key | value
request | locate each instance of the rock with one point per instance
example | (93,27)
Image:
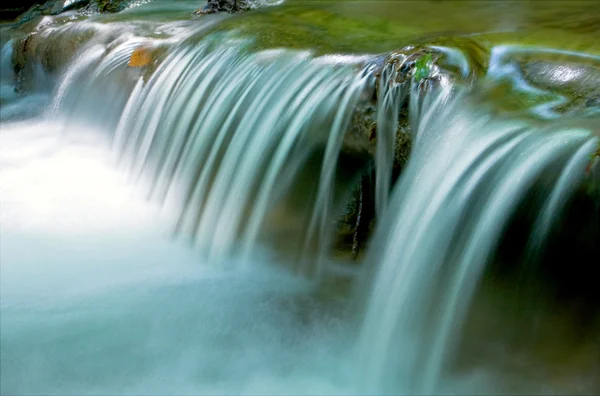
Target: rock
(19,61)
(454,61)
(36,8)
(50,51)
(107,6)
(357,223)
(11,9)
(576,81)
(229,6)
(49,7)
(422,65)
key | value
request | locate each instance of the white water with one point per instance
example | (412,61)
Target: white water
(391,96)
(218,135)
(96,297)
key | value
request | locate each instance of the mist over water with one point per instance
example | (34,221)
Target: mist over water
(96,297)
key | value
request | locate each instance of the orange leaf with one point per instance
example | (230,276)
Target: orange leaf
(140,57)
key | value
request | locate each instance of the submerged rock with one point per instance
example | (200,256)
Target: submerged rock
(545,82)
(578,84)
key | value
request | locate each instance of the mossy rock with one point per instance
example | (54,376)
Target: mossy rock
(110,6)
(53,51)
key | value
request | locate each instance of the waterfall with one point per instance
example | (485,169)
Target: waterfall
(391,95)
(6,68)
(228,140)
(7,91)
(468,171)
(218,134)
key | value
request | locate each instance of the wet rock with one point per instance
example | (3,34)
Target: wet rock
(50,7)
(19,61)
(403,145)
(361,138)
(356,140)
(547,83)
(229,6)
(592,182)
(54,7)
(578,84)
(415,62)
(46,50)
(454,61)
(11,9)
(110,6)
(425,67)
(356,225)
(576,80)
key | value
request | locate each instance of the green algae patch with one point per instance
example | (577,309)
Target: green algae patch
(322,30)
(382,26)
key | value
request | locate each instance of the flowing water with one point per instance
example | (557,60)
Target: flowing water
(431,253)
(167,227)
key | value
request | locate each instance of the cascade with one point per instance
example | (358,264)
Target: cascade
(468,171)
(218,134)
(234,143)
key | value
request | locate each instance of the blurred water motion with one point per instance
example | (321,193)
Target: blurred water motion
(170,190)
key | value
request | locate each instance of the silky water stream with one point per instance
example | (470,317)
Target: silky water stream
(236,153)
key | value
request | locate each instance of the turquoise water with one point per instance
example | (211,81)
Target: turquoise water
(163,230)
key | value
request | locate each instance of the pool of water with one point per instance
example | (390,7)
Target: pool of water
(97,298)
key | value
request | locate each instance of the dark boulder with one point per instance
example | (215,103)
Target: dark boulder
(229,6)
(107,6)
(10,9)
(24,11)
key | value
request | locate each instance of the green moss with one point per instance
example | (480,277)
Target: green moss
(375,27)
(321,30)
(423,67)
